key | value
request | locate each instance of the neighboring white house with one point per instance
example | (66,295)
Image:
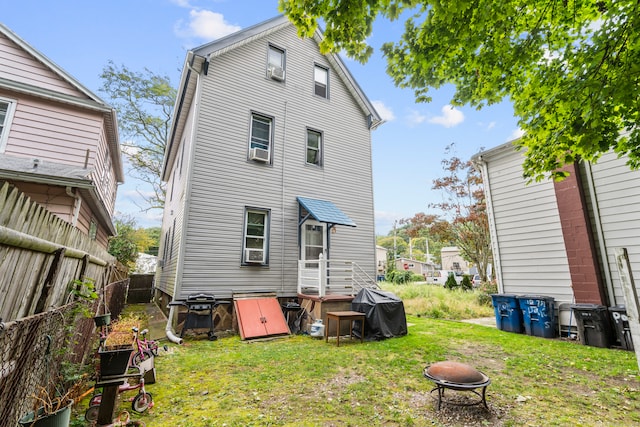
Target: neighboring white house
(451,260)
(268,168)
(381,260)
(560,239)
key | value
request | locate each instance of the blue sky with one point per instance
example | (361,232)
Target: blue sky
(82,36)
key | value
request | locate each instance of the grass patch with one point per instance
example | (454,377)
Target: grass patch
(302,381)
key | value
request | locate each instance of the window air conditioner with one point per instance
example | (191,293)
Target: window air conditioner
(259,154)
(276,73)
(254,256)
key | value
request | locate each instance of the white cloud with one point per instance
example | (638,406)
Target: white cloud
(205,24)
(181,3)
(491,125)
(517,133)
(415,117)
(450,117)
(385,112)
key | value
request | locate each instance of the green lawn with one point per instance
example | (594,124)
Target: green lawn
(303,381)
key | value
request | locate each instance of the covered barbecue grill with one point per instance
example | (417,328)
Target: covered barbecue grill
(200,313)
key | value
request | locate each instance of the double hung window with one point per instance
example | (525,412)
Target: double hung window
(261,138)
(256,233)
(321,81)
(6,115)
(314,147)
(276,63)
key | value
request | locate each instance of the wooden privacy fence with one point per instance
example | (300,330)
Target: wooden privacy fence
(41,256)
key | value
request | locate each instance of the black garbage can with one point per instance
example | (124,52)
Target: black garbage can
(538,315)
(594,328)
(620,323)
(508,314)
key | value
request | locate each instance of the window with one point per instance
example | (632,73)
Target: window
(6,115)
(256,232)
(93,230)
(314,147)
(275,63)
(321,78)
(260,141)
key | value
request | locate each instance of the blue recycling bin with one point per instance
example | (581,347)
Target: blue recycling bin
(538,315)
(508,314)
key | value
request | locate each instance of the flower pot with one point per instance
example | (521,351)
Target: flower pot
(102,320)
(59,418)
(114,362)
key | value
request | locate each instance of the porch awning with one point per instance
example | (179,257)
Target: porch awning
(325,211)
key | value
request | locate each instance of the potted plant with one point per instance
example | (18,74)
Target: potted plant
(50,410)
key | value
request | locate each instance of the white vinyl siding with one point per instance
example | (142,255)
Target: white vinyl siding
(527,236)
(618,197)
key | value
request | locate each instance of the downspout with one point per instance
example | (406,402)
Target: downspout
(600,234)
(169,327)
(76,205)
(282,227)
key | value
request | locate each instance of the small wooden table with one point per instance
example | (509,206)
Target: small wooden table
(344,315)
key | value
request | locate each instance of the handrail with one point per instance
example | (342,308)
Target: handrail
(337,275)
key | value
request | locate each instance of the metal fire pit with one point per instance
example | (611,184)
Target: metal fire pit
(459,377)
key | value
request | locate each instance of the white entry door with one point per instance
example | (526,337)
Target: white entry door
(314,242)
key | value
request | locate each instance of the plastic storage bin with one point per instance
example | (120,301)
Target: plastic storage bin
(594,328)
(538,315)
(508,314)
(620,323)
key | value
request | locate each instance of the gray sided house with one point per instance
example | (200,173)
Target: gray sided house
(268,171)
(561,239)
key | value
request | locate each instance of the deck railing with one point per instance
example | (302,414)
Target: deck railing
(332,276)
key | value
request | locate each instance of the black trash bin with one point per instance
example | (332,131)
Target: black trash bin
(594,328)
(620,323)
(538,315)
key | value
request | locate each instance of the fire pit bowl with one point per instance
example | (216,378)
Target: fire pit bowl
(460,377)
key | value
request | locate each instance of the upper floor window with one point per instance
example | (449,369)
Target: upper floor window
(93,230)
(321,81)
(261,137)
(276,63)
(314,147)
(6,116)
(256,236)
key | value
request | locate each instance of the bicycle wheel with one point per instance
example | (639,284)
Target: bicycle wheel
(141,356)
(92,413)
(142,402)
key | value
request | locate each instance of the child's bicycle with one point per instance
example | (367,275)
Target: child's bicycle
(144,349)
(139,403)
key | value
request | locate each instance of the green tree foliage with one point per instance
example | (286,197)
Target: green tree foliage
(466,284)
(465,204)
(571,68)
(129,241)
(144,102)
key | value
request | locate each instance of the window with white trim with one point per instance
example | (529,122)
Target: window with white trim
(276,64)
(7,108)
(261,137)
(314,147)
(256,236)
(321,81)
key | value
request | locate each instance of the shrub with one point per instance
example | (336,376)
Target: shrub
(466,283)
(415,277)
(451,282)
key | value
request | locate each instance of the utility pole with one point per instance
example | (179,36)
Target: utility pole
(395,246)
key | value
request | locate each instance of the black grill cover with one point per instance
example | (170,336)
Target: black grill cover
(384,314)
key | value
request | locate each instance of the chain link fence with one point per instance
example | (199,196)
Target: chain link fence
(48,351)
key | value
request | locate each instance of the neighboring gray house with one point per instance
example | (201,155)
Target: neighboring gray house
(268,168)
(560,239)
